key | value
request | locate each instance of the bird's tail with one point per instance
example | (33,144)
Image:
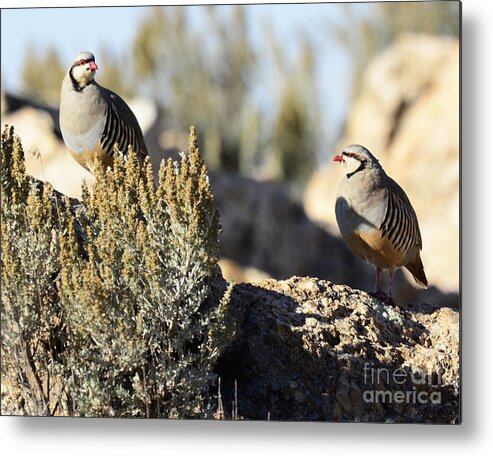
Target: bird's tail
(416,268)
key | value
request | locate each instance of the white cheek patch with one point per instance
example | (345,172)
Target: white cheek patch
(83,74)
(351,163)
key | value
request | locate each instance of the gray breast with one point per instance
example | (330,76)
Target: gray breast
(82,117)
(360,204)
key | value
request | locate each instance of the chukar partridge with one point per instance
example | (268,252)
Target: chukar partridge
(94,120)
(376,218)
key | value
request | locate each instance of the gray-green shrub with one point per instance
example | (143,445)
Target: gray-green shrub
(123,287)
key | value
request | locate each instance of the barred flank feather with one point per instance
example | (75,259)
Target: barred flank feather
(121,128)
(400,225)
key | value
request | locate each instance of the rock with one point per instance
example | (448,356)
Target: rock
(308,349)
(407,113)
(234,272)
(438,351)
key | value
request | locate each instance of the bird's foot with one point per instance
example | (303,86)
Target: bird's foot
(389,300)
(379,294)
(385,298)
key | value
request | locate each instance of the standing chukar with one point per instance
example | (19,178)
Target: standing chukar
(376,218)
(94,119)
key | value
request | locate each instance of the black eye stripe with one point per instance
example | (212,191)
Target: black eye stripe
(361,158)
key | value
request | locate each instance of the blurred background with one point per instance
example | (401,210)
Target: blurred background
(274,92)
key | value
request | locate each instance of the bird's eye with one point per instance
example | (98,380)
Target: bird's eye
(82,61)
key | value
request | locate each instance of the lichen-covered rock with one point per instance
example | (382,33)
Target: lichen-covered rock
(308,349)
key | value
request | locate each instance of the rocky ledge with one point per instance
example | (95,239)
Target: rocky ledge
(308,349)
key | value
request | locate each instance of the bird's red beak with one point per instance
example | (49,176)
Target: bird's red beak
(339,158)
(93,66)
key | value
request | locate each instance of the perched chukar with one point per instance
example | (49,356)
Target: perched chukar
(376,218)
(94,119)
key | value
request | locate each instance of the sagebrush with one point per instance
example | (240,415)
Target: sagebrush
(111,306)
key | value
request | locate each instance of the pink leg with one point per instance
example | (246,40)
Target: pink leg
(389,299)
(391,282)
(378,293)
(378,273)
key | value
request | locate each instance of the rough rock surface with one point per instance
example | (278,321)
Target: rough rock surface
(407,114)
(308,349)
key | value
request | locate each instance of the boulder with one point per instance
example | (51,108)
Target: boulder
(235,272)
(308,349)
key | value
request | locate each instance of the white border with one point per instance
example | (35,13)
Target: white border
(105,436)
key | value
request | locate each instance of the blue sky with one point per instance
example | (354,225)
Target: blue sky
(70,30)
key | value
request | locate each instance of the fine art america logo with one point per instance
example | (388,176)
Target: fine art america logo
(418,392)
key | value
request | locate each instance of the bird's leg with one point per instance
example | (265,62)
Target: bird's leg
(389,299)
(377,292)
(378,272)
